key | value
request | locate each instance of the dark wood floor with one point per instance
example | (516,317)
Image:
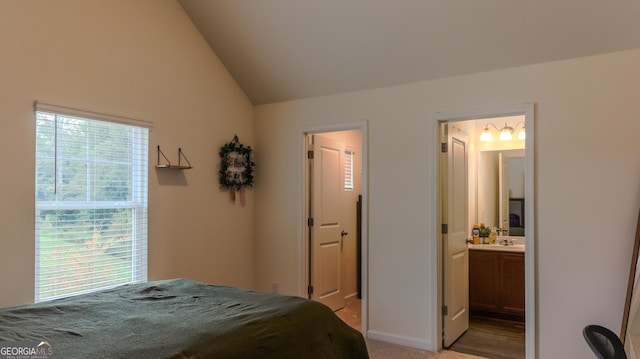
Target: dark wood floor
(492,338)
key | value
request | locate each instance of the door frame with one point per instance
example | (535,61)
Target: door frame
(303,210)
(528,110)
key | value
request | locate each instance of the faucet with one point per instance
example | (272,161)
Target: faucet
(505,228)
(506,242)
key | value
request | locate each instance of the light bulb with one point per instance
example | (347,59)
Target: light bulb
(522,135)
(505,135)
(486,135)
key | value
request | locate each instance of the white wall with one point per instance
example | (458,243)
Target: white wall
(142,59)
(587,190)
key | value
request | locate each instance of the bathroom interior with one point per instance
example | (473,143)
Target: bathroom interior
(496,200)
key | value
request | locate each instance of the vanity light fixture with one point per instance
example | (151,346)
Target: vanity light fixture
(486,133)
(506,132)
(521,134)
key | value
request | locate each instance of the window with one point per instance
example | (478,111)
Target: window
(91,203)
(348,170)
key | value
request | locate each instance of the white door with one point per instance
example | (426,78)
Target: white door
(326,187)
(455,251)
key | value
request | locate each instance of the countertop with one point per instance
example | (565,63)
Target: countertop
(497,247)
(518,245)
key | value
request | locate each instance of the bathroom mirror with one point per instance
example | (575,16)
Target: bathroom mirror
(500,190)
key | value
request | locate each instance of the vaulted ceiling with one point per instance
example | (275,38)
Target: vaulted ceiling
(279,50)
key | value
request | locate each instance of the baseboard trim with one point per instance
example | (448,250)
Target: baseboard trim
(400,340)
(351,295)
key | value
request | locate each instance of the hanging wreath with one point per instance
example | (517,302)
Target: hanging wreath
(236,168)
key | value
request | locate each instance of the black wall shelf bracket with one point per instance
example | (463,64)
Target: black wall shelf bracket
(179,166)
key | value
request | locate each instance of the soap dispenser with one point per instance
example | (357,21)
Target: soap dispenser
(493,235)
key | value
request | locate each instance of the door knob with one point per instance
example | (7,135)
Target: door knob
(343,233)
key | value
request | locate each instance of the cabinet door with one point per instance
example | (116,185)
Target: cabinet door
(512,283)
(484,288)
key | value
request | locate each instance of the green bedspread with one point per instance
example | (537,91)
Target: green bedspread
(183,319)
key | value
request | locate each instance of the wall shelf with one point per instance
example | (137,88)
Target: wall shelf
(168,164)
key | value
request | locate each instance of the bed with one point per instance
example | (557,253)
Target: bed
(182,318)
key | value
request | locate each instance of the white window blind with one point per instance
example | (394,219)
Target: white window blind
(91,204)
(348,170)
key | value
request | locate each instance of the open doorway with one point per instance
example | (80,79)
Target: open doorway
(334,216)
(470,284)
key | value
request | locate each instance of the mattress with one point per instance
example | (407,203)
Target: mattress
(181,318)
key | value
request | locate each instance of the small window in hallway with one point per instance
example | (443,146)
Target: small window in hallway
(348,170)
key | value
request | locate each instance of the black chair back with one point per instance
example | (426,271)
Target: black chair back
(604,343)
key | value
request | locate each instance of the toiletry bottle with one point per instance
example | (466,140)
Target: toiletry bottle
(493,235)
(483,234)
(475,233)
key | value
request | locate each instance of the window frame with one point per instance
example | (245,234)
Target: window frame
(138,203)
(349,178)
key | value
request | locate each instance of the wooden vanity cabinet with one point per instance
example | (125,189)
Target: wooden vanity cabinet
(496,282)
(484,281)
(512,283)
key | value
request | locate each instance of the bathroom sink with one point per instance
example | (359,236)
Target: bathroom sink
(517,246)
(512,239)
